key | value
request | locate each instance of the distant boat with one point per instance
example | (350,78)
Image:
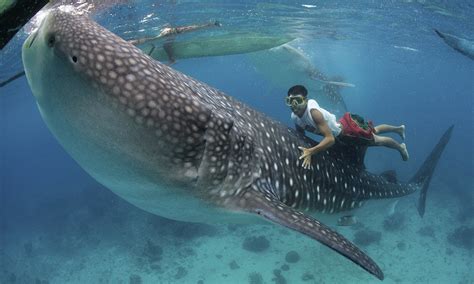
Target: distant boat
(14,15)
(214,45)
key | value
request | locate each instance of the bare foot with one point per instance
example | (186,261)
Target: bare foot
(404,152)
(401,131)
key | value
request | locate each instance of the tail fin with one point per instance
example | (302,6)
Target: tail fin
(440,34)
(424,174)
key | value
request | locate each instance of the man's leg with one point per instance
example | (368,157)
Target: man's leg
(168,47)
(190,28)
(390,143)
(384,128)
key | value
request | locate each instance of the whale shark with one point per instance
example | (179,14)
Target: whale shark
(461,45)
(178,148)
(299,69)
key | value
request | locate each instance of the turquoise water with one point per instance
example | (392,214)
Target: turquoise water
(59,226)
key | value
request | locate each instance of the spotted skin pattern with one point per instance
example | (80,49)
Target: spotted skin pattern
(203,141)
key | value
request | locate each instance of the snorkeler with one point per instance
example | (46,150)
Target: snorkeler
(308,115)
(170,33)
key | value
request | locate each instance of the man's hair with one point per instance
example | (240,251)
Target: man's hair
(298,90)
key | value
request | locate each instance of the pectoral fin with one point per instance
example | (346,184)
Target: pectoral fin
(259,200)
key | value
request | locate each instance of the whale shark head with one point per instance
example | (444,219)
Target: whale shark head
(107,102)
(138,127)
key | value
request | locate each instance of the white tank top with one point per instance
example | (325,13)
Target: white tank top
(307,123)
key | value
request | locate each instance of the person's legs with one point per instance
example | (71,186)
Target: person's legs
(153,47)
(384,128)
(390,143)
(168,47)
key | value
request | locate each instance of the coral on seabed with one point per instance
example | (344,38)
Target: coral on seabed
(255,278)
(152,251)
(427,231)
(394,222)
(256,244)
(292,257)
(462,237)
(367,237)
(135,279)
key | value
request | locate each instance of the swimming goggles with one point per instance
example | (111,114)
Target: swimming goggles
(294,100)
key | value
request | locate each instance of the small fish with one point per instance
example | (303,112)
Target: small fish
(406,48)
(347,220)
(340,84)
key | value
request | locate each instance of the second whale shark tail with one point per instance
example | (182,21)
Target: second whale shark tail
(423,177)
(440,34)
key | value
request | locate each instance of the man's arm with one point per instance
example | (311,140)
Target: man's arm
(325,131)
(327,141)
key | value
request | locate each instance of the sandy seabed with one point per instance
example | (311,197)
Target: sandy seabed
(111,241)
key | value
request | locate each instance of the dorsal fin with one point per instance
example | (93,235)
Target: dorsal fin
(390,176)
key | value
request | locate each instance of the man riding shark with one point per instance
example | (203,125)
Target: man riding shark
(178,148)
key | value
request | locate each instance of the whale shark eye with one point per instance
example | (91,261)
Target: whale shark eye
(51,40)
(74,58)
